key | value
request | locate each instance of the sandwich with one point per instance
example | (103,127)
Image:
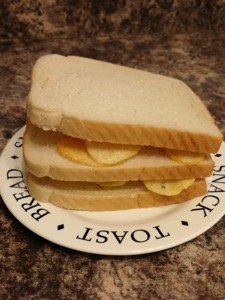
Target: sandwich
(104,137)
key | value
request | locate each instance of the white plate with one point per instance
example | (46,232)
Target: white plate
(128,232)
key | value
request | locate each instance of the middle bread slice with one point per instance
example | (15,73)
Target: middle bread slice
(42,159)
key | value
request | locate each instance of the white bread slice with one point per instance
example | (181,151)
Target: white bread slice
(100,101)
(89,196)
(42,159)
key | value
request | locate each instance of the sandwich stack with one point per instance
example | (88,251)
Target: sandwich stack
(102,137)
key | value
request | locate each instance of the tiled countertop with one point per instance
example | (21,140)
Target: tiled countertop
(34,268)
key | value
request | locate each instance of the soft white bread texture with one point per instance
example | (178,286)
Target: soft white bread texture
(100,101)
(89,196)
(42,159)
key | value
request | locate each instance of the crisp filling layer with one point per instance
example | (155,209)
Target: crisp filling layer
(98,154)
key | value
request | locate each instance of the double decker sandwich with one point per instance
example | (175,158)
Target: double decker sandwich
(100,136)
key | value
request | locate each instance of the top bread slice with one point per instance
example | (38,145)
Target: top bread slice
(100,101)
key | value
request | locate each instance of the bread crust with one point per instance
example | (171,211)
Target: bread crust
(139,135)
(90,197)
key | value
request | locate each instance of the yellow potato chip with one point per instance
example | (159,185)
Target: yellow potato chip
(75,150)
(111,184)
(168,187)
(110,154)
(185,157)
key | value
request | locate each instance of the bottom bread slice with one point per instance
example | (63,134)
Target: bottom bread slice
(91,197)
